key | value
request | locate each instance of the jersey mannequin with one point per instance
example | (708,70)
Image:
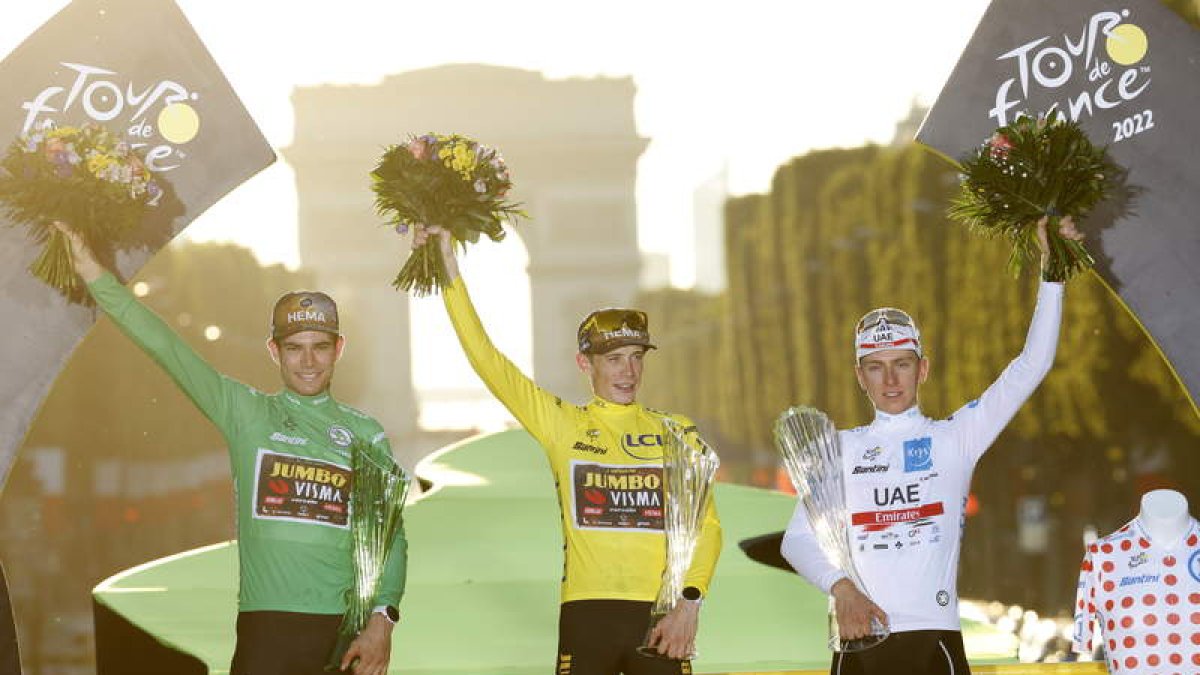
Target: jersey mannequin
(1164,516)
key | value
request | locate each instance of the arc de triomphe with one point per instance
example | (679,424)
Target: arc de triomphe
(573,149)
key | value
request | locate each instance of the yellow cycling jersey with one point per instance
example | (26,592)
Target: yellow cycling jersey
(607,464)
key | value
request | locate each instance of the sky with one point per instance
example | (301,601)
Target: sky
(733,87)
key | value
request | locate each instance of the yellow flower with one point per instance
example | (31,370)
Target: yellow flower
(97,163)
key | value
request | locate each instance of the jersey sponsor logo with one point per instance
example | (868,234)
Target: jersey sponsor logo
(943,598)
(874,468)
(918,454)
(1139,560)
(871,454)
(301,489)
(290,440)
(878,520)
(639,441)
(1194,565)
(896,494)
(606,496)
(1141,579)
(587,447)
(340,436)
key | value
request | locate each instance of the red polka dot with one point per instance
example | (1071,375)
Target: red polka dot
(1111,625)
(1091,608)
(1126,545)
(1079,604)
(1149,599)
(1196,638)
(1169,561)
(1131,662)
(1196,617)
(1173,618)
(1195,598)
(1107,548)
(1196,659)
(1108,604)
(1093,548)
(1152,639)
(1151,619)
(1153,659)
(1174,638)
(1172,599)
(1143,543)
(1191,540)
(1176,659)
(1127,622)
(1129,642)
(1127,602)
(1170,579)
(1108,586)
(1107,566)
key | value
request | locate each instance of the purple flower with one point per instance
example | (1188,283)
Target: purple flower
(153,190)
(401,228)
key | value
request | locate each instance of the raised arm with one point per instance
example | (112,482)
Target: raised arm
(212,392)
(981,421)
(536,409)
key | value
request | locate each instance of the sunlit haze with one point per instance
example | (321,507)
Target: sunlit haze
(725,87)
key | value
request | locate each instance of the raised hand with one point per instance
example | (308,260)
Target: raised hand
(81,254)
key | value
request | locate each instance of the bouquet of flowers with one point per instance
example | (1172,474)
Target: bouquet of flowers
(451,181)
(84,176)
(377,494)
(1031,168)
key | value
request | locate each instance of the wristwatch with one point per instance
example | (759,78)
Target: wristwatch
(691,594)
(389,612)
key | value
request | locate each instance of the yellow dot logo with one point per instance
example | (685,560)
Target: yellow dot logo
(178,123)
(1126,44)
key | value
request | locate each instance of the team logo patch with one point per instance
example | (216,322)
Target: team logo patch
(943,598)
(870,455)
(607,496)
(1138,560)
(301,489)
(918,454)
(1194,565)
(340,436)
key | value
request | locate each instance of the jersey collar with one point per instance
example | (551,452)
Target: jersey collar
(898,421)
(318,401)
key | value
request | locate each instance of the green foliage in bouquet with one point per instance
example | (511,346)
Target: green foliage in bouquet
(84,176)
(377,494)
(1029,169)
(446,180)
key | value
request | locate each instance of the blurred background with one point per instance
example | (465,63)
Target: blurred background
(746,174)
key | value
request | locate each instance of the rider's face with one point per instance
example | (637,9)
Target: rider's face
(890,378)
(616,374)
(306,360)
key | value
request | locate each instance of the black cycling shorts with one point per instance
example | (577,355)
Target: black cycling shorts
(915,652)
(284,643)
(600,637)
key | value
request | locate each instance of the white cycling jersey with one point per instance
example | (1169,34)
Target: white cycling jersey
(907,478)
(1145,596)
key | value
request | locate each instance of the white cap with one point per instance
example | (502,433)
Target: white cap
(886,328)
